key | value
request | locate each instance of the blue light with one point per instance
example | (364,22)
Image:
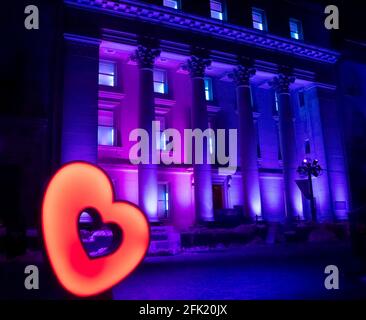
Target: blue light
(166,201)
(208,89)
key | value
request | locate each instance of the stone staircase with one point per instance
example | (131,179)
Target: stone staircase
(164,240)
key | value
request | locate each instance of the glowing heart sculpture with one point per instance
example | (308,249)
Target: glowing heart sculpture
(74,188)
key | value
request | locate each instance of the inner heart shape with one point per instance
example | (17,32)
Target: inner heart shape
(81,187)
(98,239)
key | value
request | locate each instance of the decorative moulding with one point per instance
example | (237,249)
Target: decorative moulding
(135,10)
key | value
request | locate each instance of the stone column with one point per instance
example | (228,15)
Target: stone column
(145,56)
(293,198)
(248,142)
(201,172)
(79,126)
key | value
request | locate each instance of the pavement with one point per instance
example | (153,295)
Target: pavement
(286,271)
(248,273)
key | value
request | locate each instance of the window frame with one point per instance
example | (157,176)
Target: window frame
(113,126)
(178,2)
(165,81)
(259,149)
(307,146)
(161,144)
(209,96)
(299,29)
(301,97)
(276,103)
(114,75)
(166,200)
(263,15)
(223,10)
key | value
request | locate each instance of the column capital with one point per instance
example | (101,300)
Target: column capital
(145,56)
(197,65)
(282,82)
(242,74)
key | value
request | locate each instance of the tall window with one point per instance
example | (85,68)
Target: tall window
(161,141)
(175,4)
(277,103)
(160,81)
(259,151)
(301,99)
(279,149)
(296,29)
(307,146)
(107,73)
(106,132)
(163,200)
(211,142)
(208,89)
(259,19)
(217,9)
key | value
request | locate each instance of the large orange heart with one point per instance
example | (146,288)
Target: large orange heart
(77,186)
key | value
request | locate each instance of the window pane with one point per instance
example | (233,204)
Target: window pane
(293,27)
(276,102)
(294,35)
(107,67)
(296,29)
(208,89)
(307,147)
(216,15)
(107,72)
(159,87)
(216,5)
(163,200)
(105,136)
(160,82)
(161,139)
(106,80)
(171,3)
(216,10)
(105,118)
(258,26)
(159,75)
(259,19)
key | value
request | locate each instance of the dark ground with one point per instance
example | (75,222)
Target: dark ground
(251,272)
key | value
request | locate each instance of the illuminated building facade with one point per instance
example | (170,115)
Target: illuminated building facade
(119,65)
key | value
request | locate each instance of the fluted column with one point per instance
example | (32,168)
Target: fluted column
(145,56)
(201,172)
(293,198)
(248,142)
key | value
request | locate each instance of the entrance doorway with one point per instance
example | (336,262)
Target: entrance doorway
(163,201)
(218,196)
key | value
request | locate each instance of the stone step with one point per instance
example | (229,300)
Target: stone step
(164,240)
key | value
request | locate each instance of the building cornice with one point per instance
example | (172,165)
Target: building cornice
(181,20)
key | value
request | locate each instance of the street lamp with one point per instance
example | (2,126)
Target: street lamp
(310,168)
